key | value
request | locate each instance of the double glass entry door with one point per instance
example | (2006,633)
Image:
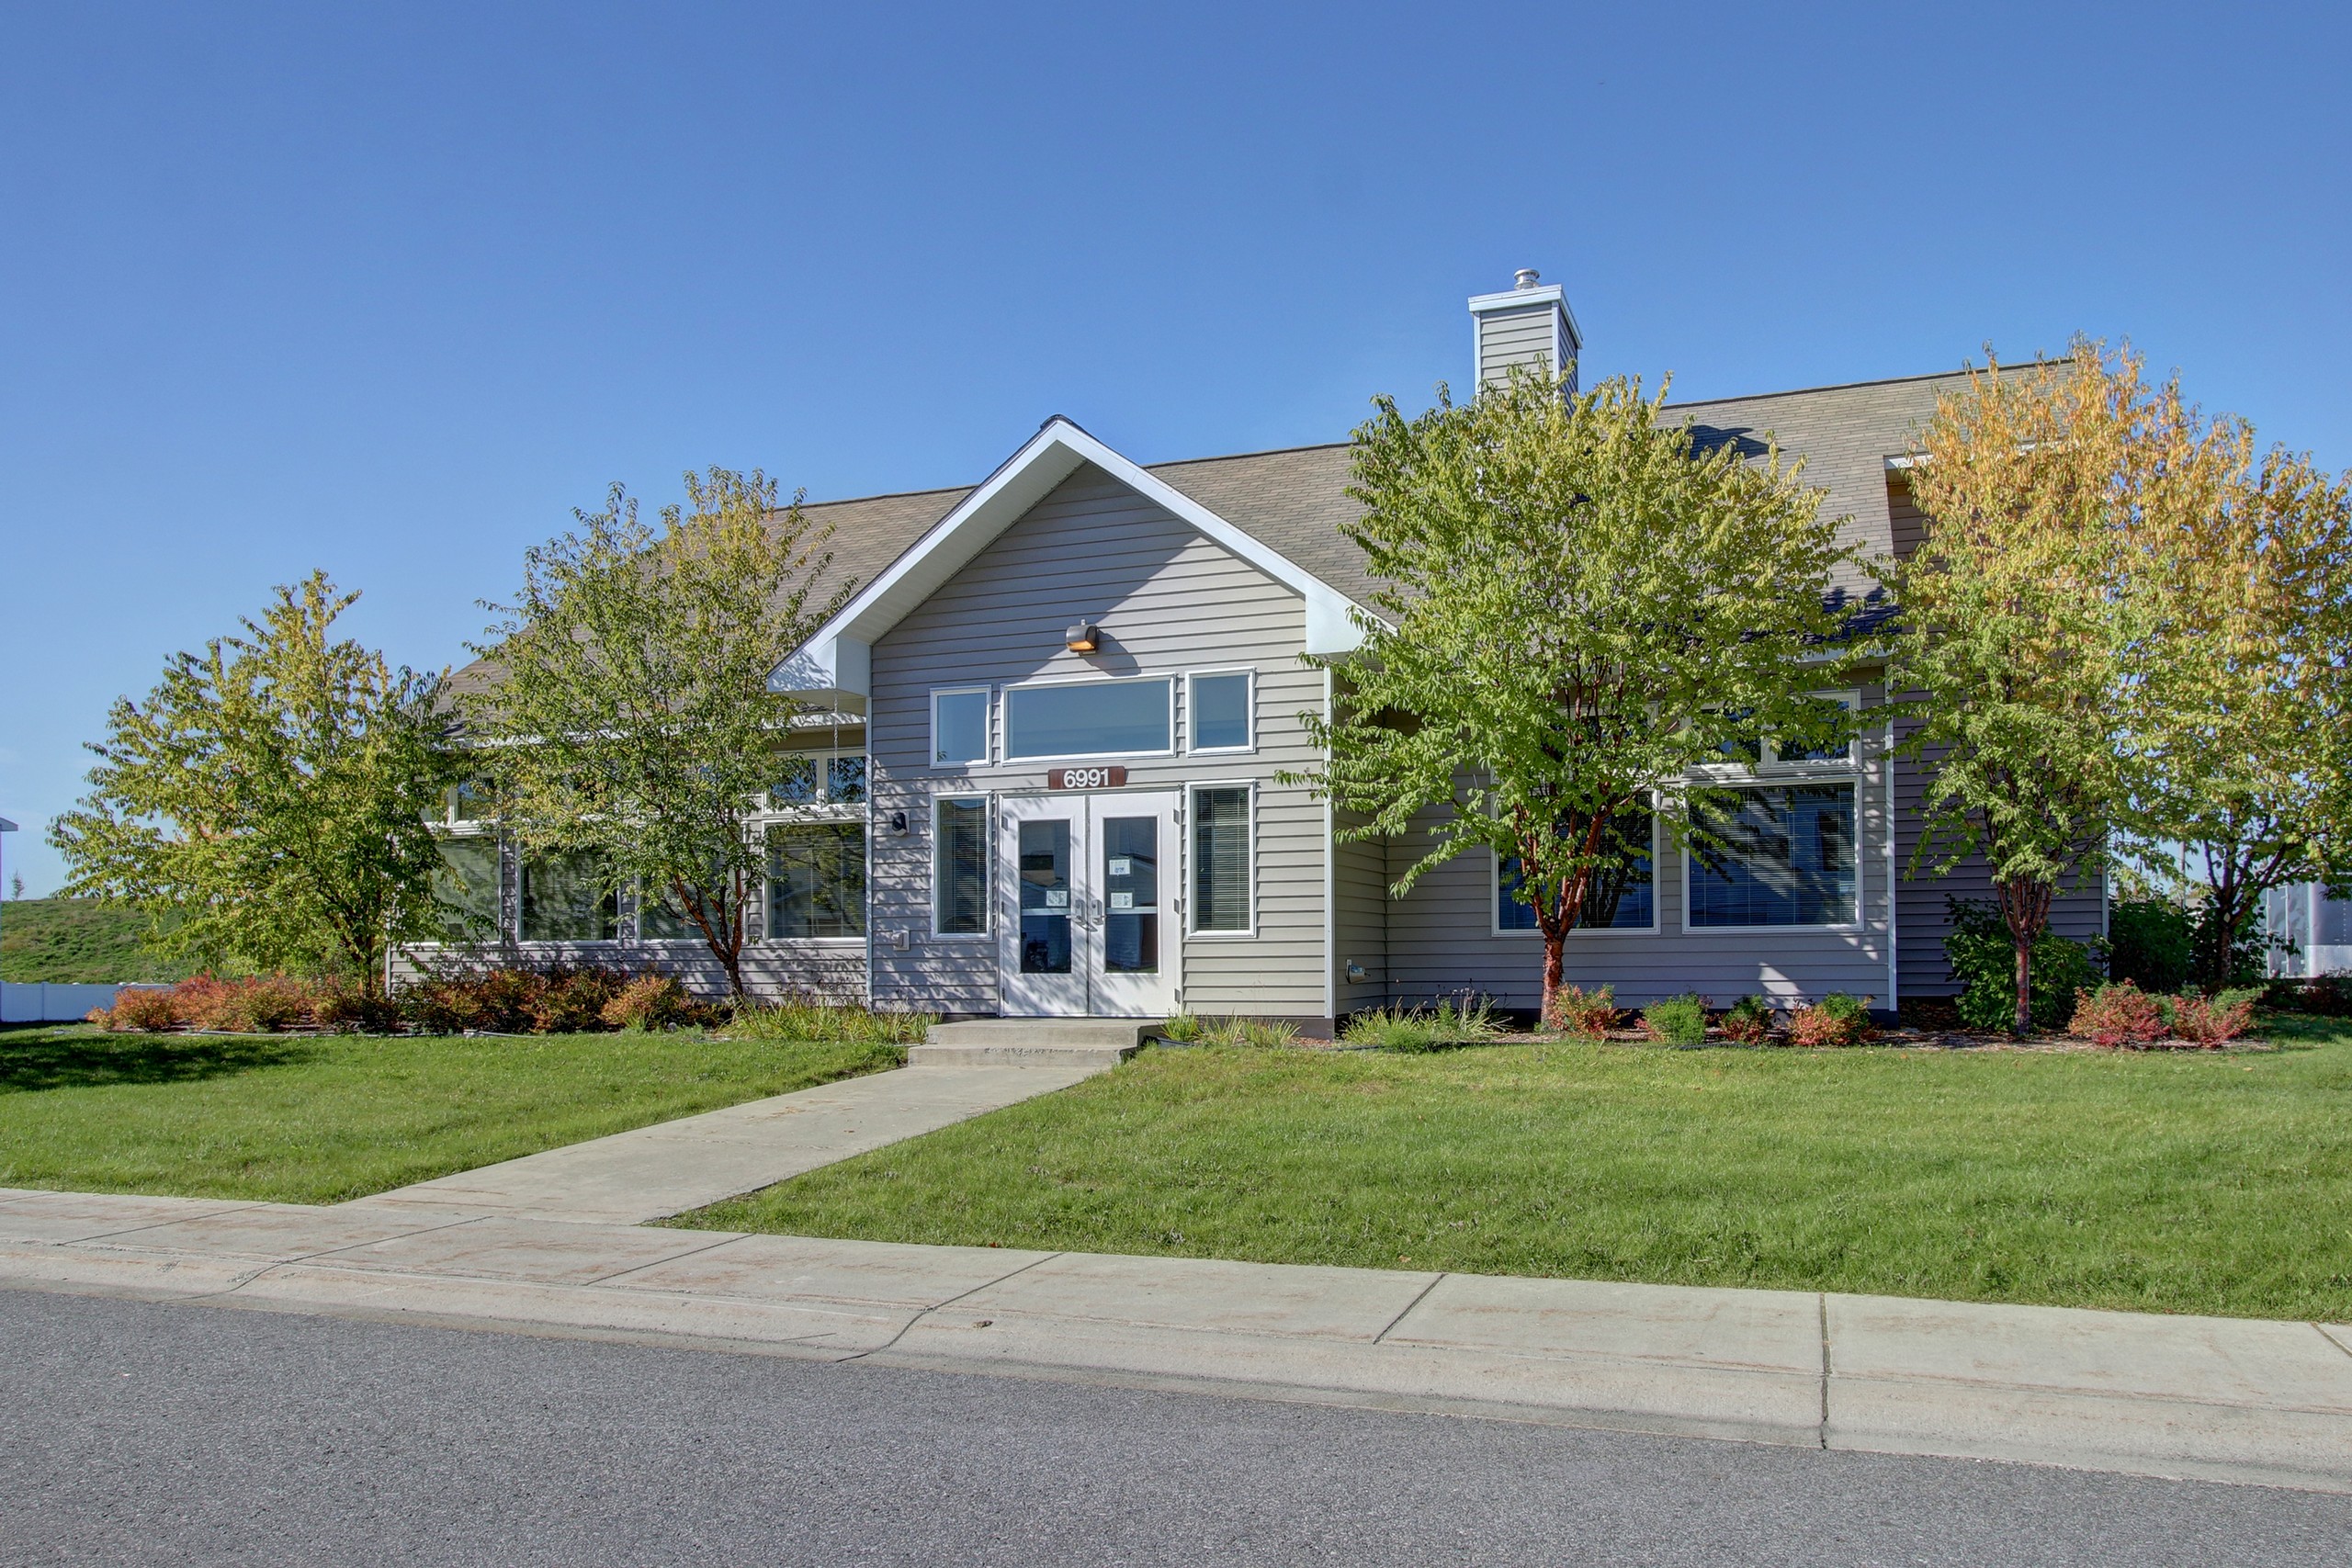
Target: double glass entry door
(1091,929)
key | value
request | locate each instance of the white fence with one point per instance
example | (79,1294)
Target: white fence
(53,1004)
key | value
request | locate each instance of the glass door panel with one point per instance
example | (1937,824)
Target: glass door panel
(1044,898)
(1130,895)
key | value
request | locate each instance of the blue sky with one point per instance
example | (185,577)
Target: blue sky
(389,289)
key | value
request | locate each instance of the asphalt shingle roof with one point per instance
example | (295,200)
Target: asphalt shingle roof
(1295,499)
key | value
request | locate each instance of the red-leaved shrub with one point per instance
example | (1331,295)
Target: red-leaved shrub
(647,1002)
(2117,1013)
(2210,1021)
(1837,1019)
(147,1011)
(1588,1014)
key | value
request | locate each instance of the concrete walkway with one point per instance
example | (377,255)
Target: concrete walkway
(672,1167)
(2215,1398)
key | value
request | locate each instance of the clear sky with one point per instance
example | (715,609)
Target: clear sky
(388,289)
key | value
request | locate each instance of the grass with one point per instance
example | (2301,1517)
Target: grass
(320,1119)
(78,940)
(2176,1181)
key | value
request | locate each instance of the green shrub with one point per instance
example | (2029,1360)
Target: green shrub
(1748,1021)
(1419,1029)
(1983,960)
(2151,942)
(1182,1028)
(801,1018)
(1677,1020)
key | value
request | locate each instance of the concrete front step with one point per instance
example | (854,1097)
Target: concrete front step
(1031,1041)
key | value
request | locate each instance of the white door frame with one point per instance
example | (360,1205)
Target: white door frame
(1074,922)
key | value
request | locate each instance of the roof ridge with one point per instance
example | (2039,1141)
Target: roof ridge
(1828,387)
(1329,445)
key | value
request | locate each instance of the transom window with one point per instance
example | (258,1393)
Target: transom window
(1090,718)
(818,778)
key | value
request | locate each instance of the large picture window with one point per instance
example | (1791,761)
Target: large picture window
(466,887)
(1221,859)
(1087,718)
(569,896)
(1781,855)
(817,880)
(960,867)
(1624,899)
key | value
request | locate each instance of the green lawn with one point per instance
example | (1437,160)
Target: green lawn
(2176,1182)
(316,1120)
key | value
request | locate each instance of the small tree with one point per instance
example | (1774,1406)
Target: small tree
(630,713)
(2017,629)
(1580,603)
(2239,711)
(269,799)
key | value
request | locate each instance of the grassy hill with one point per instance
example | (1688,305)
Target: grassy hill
(67,940)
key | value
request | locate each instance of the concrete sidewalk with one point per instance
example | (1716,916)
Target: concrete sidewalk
(672,1167)
(2213,1398)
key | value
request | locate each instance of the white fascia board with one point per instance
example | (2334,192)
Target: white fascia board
(839,657)
(1517,299)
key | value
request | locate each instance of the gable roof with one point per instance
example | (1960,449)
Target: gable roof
(1291,501)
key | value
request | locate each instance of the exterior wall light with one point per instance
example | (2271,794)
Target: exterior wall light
(1082,636)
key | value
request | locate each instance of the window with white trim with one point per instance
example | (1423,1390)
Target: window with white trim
(1775,855)
(815,879)
(1221,858)
(804,779)
(959,726)
(465,885)
(1090,718)
(1622,899)
(569,896)
(959,865)
(1220,709)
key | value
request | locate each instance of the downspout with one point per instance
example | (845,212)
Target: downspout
(1330,880)
(1893,984)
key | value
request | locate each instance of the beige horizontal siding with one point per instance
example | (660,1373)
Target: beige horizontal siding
(1169,601)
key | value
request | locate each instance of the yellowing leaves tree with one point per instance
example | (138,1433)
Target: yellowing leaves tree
(1579,604)
(2020,630)
(2238,695)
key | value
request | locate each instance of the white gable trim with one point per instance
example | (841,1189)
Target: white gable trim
(838,656)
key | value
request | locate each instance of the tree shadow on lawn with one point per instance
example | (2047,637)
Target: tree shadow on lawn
(42,1059)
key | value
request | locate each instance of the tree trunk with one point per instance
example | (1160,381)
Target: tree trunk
(1554,943)
(2026,906)
(2024,1019)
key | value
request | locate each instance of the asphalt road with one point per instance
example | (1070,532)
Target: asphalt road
(134,1432)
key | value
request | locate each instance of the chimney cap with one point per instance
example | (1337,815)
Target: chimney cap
(1526,277)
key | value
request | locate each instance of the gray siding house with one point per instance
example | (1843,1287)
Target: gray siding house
(1041,772)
